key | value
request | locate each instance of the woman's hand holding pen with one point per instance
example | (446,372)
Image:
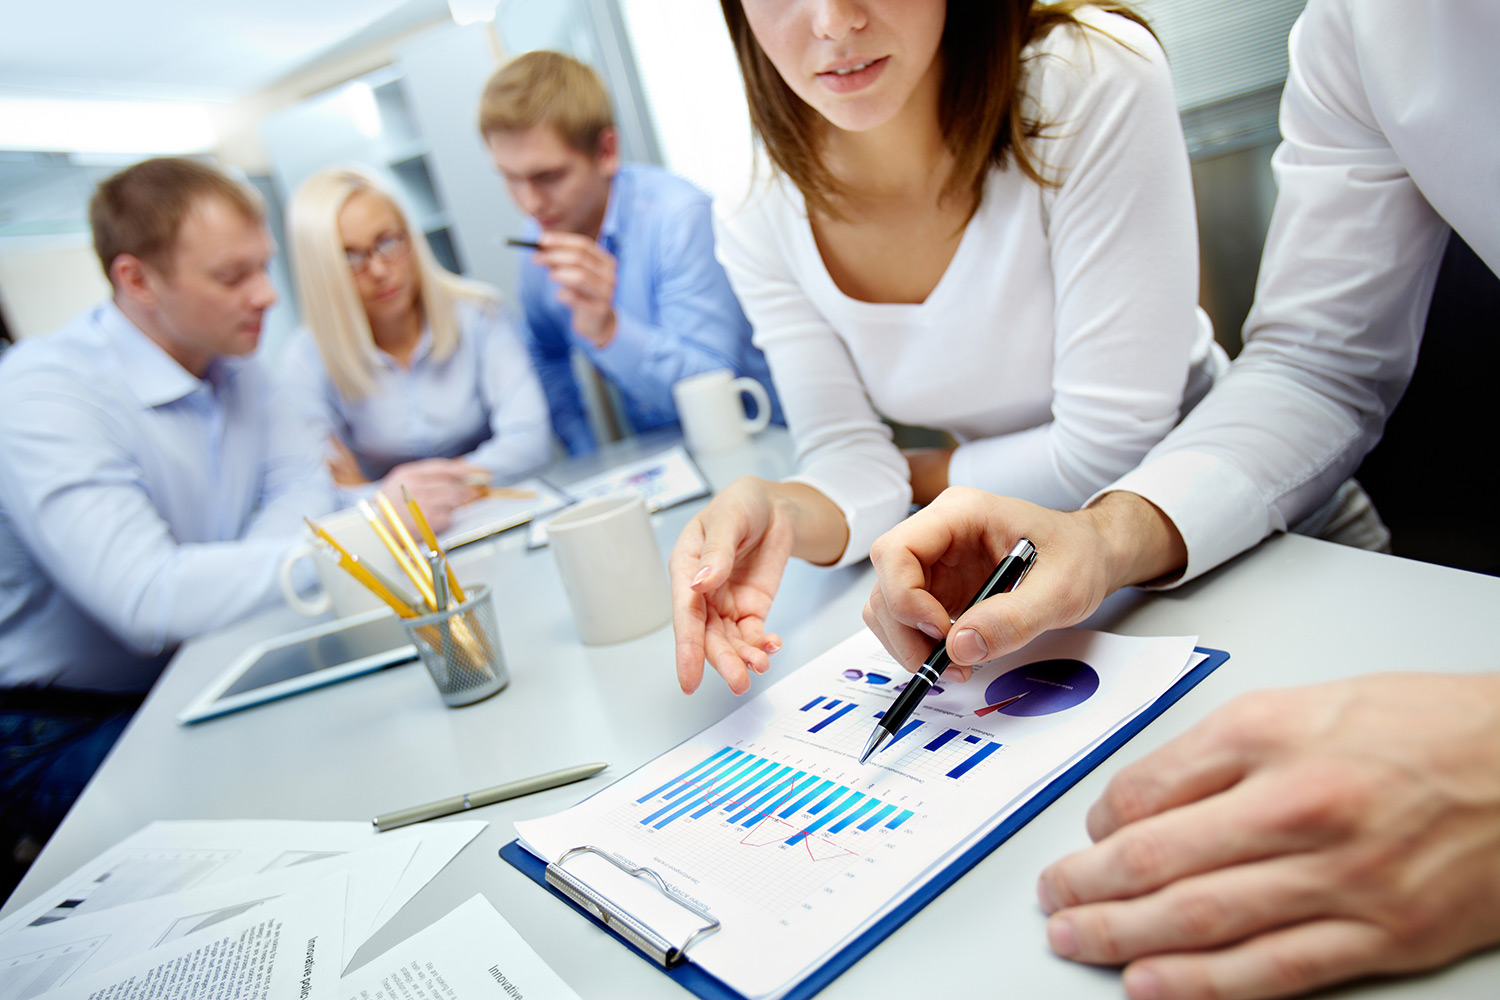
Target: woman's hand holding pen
(727,566)
(439,485)
(930,564)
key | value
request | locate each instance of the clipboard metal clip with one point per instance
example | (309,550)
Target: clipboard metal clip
(621,921)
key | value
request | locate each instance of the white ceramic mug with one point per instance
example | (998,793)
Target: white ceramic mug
(611,568)
(712,411)
(340,592)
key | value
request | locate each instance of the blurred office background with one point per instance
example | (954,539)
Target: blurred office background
(278,89)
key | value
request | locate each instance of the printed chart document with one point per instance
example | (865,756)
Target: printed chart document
(471,954)
(286,947)
(171,856)
(37,959)
(768,821)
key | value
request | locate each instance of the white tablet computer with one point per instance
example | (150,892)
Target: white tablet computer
(302,660)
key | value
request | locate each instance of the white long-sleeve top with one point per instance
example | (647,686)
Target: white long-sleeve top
(1391,133)
(1064,337)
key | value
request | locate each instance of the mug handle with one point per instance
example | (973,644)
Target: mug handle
(303,606)
(757,423)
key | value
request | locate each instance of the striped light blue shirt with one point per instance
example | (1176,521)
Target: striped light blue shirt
(139,505)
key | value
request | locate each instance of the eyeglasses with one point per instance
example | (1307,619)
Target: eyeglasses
(389,248)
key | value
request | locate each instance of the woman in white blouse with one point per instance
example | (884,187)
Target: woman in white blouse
(415,376)
(981,220)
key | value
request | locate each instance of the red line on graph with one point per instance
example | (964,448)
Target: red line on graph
(754,838)
(806,836)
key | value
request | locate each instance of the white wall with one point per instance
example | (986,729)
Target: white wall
(692,85)
(47,280)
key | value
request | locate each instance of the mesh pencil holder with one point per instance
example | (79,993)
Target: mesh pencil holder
(461,649)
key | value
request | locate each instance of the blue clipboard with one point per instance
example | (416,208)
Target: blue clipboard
(693,979)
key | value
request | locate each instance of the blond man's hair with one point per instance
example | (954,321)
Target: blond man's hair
(328,296)
(139,210)
(547,88)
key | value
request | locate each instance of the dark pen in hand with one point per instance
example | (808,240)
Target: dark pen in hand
(1005,578)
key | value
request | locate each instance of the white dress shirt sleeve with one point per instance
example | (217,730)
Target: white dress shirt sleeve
(1345,282)
(844,450)
(304,389)
(79,501)
(1122,243)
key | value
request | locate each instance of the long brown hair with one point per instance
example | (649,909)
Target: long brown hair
(978,105)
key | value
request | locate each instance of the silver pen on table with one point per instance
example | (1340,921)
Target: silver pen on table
(485,797)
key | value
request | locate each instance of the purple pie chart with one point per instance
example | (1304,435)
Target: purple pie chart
(1041,688)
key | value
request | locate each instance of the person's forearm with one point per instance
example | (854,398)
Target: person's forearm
(819,532)
(1141,544)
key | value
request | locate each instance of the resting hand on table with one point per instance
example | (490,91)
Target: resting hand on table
(929,472)
(342,465)
(1295,839)
(439,485)
(932,563)
(727,565)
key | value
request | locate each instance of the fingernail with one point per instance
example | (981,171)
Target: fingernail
(1142,984)
(702,575)
(1062,937)
(931,630)
(968,646)
(772,645)
(1044,896)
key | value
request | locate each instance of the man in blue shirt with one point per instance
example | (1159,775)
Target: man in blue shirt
(626,271)
(148,488)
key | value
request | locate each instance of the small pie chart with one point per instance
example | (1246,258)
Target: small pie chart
(1041,688)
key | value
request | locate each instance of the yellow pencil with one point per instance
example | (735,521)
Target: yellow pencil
(399,528)
(351,565)
(430,538)
(418,578)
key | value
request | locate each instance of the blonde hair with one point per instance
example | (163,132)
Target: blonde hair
(139,210)
(547,88)
(326,292)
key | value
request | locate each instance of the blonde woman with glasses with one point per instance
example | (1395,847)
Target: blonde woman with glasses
(415,376)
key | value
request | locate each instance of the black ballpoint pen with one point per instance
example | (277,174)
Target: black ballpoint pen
(1006,577)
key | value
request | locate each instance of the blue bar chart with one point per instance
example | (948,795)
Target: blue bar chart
(747,791)
(960,752)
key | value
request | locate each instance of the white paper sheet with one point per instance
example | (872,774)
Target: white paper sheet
(284,947)
(42,958)
(767,820)
(471,954)
(170,856)
(665,480)
(493,514)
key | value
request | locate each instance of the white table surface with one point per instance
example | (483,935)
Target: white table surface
(1292,611)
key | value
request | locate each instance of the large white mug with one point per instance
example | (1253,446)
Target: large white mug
(340,592)
(611,568)
(712,410)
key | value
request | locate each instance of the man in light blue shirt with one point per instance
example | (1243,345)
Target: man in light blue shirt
(626,271)
(148,488)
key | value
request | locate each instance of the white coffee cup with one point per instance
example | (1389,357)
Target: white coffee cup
(340,592)
(611,568)
(712,411)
